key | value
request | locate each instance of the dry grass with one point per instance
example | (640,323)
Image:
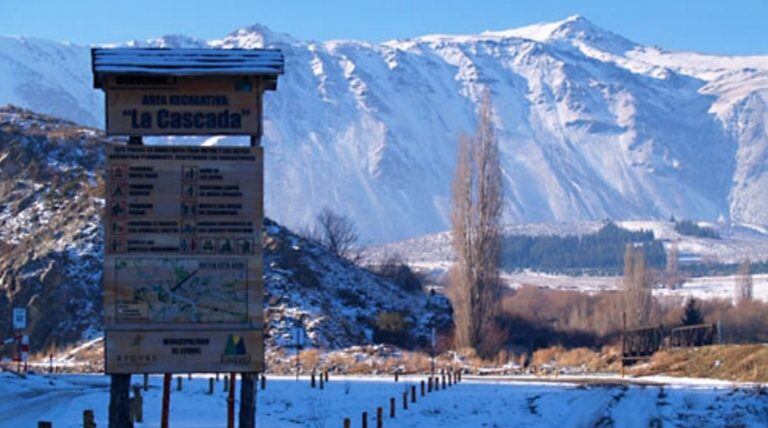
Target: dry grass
(743,363)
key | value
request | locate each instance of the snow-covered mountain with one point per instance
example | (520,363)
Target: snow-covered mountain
(591,125)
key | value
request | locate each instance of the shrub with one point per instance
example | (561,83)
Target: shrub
(392,328)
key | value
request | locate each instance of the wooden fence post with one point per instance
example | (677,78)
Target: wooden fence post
(263,381)
(321,381)
(325,372)
(89,421)
(146,381)
(347,423)
(391,407)
(429,384)
(365,420)
(178,383)
(413,393)
(312,379)
(396,376)
(405,401)
(210,386)
(422,388)
(379,417)
(44,424)
(226,383)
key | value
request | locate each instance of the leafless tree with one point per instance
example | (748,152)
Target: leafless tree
(337,233)
(636,292)
(743,287)
(477,207)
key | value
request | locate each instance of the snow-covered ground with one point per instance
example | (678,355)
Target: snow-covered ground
(473,403)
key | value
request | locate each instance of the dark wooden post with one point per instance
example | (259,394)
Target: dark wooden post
(138,405)
(312,379)
(231,402)
(178,383)
(443,382)
(429,384)
(325,372)
(396,376)
(226,383)
(391,407)
(247,400)
(365,420)
(422,388)
(405,401)
(321,380)
(210,386)
(347,423)
(44,424)
(263,381)
(166,400)
(146,381)
(379,417)
(89,421)
(413,393)
(119,401)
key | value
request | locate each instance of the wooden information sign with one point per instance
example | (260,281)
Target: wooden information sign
(183,264)
(183,105)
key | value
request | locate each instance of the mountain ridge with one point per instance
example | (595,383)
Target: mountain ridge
(591,125)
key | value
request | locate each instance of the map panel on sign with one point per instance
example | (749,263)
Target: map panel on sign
(181,290)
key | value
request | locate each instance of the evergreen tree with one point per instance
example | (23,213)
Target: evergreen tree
(692,315)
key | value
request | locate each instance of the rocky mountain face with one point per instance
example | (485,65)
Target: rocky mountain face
(51,252)
(591,125)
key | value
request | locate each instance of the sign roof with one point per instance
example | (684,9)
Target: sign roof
(185,62)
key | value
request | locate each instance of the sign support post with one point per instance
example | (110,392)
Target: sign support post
(183,264)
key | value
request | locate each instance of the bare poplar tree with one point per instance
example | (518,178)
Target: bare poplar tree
(636,293)
(744,288)
(477,208)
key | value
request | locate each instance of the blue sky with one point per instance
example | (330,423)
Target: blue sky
(731,27)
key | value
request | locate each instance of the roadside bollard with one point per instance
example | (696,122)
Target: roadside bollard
(429,384)
(347,423)
(365,419)
(379,417)
(413,393)
(44,424)
(321,381)
(391,407)
(405,401)
(422,388)
(210,386)
(89,421)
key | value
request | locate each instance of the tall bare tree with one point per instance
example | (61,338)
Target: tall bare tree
(743,288)
(475,217)
(637,300)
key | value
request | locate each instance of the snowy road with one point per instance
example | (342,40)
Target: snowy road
(287,403)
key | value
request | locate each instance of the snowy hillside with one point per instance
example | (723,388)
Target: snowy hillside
(51,191)
(592,125)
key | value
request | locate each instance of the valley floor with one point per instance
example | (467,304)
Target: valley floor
(473,403)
